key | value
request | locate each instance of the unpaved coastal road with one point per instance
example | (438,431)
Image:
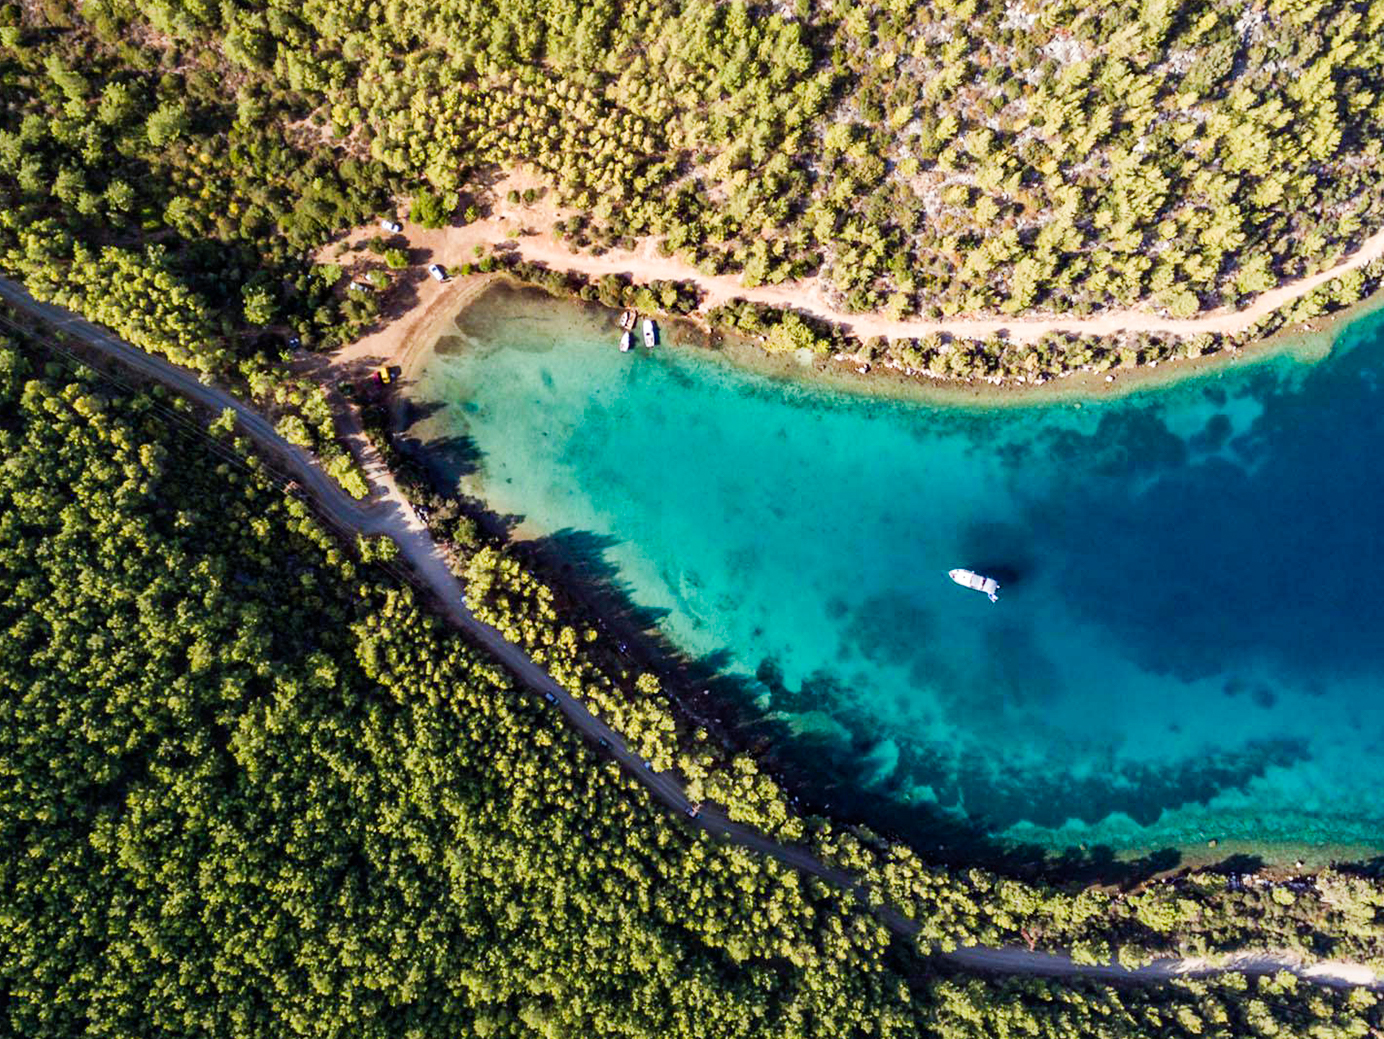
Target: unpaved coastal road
(388,512)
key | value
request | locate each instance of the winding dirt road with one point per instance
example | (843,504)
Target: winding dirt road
(388,512)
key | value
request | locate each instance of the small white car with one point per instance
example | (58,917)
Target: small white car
(435,269)
(392,226)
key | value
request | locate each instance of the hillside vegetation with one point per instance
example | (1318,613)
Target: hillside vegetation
(249,786)
(959,156)
(252,789)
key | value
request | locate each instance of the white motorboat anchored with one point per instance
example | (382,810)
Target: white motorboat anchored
(971,579)
(650,333)
(626,342)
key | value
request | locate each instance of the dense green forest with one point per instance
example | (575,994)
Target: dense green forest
(170,165)
(252,788)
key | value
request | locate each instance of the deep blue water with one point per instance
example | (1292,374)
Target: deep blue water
(1187,644)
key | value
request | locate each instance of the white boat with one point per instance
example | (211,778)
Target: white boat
(650,333)
(971,579)
(626,342)
(627,319)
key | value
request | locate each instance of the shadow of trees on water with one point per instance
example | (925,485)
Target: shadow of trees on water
(968,802)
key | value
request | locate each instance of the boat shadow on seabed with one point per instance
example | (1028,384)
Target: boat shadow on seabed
(1008,577)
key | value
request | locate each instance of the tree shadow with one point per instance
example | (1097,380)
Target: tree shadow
(357,370)
(1240,862)
(409,412)
(484,177)
(1372,868)
(578,560)
(401,297)
(458,454)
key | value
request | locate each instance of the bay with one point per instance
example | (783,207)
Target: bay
(1187,643)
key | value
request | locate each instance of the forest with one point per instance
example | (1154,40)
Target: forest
(254,788)
(173,166)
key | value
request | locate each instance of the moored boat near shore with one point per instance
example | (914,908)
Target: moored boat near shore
(650,333)
(626,341)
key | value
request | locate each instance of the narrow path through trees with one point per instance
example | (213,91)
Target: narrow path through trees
(388,512)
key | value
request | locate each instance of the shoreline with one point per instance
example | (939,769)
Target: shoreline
(697,698)
(409,346)
(1309,345)
(410,339)
(1279,855)
(401,340)
(414,316)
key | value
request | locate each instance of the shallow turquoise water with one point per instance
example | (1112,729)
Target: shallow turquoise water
(1187,643)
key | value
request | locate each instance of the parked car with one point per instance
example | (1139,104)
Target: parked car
(436,270)
(693,809)
(550,697)
(392,226)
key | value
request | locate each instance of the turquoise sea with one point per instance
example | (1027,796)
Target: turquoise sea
(1189,643)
